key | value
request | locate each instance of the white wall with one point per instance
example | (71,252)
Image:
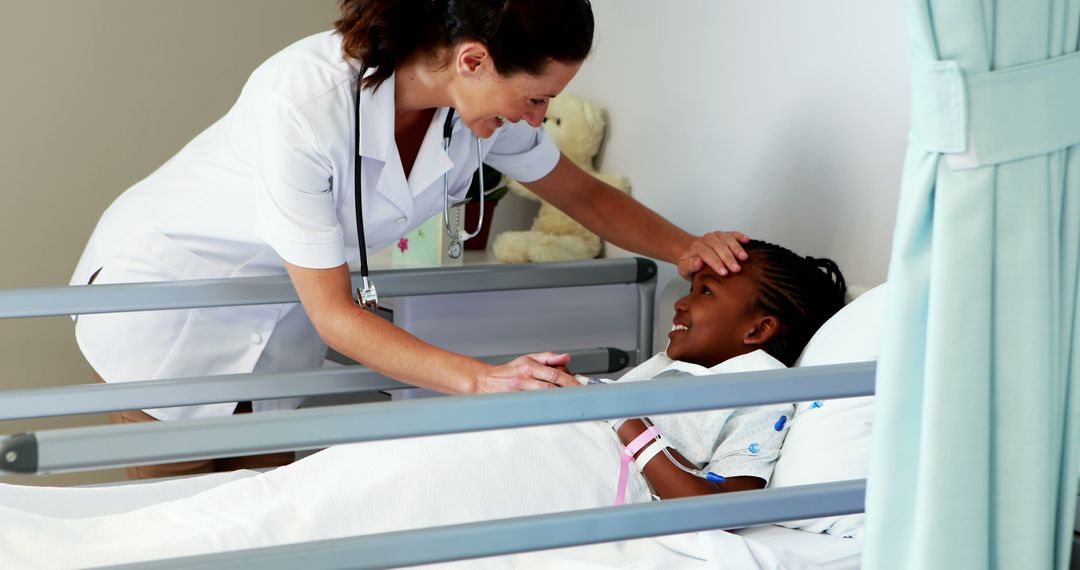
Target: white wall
(783,119)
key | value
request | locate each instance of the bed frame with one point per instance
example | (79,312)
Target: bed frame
(99,447)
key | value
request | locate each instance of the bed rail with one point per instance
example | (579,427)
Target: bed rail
(60,450)
(509,536)
(199,293)
(129,297)
(96,398)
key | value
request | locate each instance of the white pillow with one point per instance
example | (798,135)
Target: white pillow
(830,440)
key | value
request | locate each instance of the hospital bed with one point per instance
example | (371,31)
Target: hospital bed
(97,447)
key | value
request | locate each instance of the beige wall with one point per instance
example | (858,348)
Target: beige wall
(94,95)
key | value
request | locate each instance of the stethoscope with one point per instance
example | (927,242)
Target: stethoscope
(367,296)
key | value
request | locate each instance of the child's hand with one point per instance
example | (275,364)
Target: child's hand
(587,381)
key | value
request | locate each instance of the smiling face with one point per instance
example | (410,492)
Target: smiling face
(718,320)
(486,100)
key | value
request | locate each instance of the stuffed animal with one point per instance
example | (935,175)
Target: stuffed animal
(577,127)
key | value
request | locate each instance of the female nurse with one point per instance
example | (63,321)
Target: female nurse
(269,188)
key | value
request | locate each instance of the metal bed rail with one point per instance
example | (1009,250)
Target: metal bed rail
(507,536)
(338,381)
(541,532)
(129,297)
(97,447)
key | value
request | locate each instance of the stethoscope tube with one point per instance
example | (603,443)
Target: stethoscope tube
(367,296)
(462,234)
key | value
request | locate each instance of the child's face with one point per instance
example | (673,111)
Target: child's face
(711,323)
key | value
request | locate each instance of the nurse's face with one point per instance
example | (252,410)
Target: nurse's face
(486,100)
(718,320)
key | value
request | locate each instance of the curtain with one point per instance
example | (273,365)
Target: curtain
(974,461)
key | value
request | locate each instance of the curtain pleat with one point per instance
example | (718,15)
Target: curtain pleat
(974,461)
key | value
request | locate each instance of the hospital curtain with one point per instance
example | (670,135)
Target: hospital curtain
(974,461)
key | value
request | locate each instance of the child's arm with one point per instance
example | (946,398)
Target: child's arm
(670,482)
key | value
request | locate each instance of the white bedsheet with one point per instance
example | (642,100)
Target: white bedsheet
(98,501)
(831,552)
(362,489)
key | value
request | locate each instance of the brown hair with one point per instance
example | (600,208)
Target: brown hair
(521,35)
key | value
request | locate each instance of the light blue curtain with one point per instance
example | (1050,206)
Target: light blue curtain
(974,461)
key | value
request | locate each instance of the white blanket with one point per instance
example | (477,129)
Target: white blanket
(362,489)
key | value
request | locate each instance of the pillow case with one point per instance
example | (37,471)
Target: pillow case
(830,440)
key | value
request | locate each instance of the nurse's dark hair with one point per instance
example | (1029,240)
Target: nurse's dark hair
(521,35)
(801,292)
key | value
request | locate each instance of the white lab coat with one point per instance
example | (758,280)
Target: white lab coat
(271,180)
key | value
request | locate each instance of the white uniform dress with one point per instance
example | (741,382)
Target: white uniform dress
(272,180)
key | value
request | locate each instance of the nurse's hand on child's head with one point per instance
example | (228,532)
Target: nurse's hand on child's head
(536,371)
(720,250)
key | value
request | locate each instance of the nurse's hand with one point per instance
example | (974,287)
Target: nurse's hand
(721,251)
(530,372)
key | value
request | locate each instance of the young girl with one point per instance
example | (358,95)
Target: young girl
(756,319)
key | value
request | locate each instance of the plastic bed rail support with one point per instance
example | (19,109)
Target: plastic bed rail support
(646,280)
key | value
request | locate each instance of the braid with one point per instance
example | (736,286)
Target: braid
(802,292)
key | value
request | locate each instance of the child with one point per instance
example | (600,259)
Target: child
(757,319)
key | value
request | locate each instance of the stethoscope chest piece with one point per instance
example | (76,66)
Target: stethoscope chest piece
(455,231)
(367,297)
(454,251)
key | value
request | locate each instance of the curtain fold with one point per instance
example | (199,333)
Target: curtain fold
(974,461)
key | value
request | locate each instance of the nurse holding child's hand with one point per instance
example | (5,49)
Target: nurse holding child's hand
(270,188)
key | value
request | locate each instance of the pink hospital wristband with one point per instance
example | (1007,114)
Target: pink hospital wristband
(641,440)
(645,437)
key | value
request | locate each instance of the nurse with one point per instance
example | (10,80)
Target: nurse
(269,188)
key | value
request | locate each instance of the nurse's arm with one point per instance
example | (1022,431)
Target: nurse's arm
(379,345)
(625,222)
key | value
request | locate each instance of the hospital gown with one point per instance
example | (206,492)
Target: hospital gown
(741,442)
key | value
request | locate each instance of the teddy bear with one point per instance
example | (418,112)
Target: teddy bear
(576,125)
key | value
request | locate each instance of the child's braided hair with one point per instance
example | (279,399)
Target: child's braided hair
(802,292)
